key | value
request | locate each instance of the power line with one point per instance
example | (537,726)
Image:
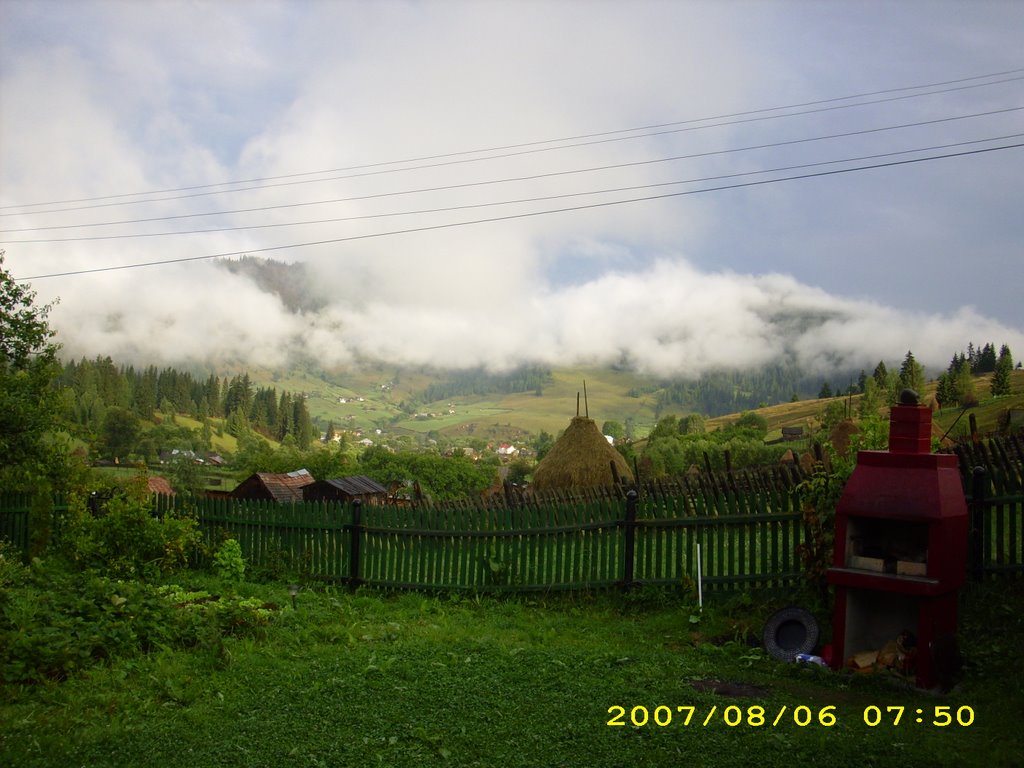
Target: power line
(597,139)
(510,217)
(545,198)
(532,177)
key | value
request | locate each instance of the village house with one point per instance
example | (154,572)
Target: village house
(283,488)
(347,490)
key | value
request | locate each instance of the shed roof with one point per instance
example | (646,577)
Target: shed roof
(157,484)
(283,487)
(356,485)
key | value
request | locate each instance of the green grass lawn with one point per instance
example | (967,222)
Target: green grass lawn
(412,680)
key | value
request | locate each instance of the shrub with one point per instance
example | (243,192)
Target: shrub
(12,570)
(125,539)
(228,561)
(57,623)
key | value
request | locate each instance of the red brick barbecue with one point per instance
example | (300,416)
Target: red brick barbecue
(900,553)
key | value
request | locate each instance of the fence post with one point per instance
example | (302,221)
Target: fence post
(356,537)
(976,554)
(630,539)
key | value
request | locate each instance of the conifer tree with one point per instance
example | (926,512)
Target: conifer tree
(1001,376)
(963,385)
(912,374)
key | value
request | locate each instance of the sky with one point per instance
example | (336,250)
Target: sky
(682,186)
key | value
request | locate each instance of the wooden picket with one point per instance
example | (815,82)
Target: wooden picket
(747,526)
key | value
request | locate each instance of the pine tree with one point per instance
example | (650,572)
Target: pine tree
(1001,376)
(881,375)
(963,385)
(870,400)
(303,429)
(972,357)
(285,416)
(912,374)
(944,394)
(987,359)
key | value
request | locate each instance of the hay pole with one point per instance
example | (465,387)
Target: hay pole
(586,407)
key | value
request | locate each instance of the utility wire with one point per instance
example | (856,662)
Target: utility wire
(520,201)
(190,193)
(533,177)
(510,217)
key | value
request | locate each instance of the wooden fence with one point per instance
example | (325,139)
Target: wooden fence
(595,541)
(993,474)
(746,526)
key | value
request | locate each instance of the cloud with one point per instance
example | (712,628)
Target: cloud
(841,272)
(666,320)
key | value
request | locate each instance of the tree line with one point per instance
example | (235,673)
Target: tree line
(956,383)
(481,382)
(105,405)
(721,392)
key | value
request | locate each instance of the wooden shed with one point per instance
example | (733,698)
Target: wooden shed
(284,488)
(347,490)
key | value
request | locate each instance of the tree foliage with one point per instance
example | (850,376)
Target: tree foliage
(439,477)
(671,452)
(1001,373)
(28,366)
(912,374)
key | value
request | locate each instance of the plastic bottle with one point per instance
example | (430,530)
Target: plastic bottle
(806,658)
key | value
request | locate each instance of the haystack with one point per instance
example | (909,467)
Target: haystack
(581,458)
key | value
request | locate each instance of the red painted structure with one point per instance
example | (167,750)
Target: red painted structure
(900,552)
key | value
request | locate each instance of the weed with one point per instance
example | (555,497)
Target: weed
(228,561)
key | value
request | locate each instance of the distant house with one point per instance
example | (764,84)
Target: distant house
(284,488)
(347,490)
(166,457)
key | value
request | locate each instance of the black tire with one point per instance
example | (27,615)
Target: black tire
(789,632)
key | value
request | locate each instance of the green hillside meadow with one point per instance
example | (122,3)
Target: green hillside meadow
(373,396)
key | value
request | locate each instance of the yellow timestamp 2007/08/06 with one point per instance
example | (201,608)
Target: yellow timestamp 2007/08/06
(757,716)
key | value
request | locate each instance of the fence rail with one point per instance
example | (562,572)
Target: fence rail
(747,528)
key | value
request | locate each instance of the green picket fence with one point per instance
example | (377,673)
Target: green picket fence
(732,536)
(554,546)
(310,537)
(15,513)
(993,472)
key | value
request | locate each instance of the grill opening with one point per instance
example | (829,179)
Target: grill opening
(885,545)
(874,618)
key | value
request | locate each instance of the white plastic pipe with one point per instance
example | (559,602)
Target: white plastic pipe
(700,585)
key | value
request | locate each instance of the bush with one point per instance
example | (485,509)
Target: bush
(60,623)
(12,570)
(228,561)
(124,538)
(57,623)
